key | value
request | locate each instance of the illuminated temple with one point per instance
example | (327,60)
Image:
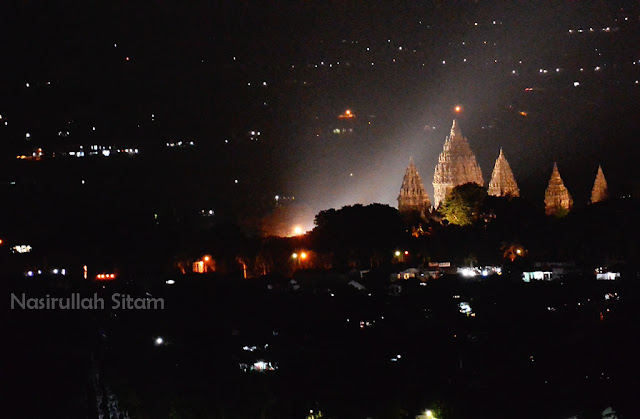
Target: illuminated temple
(600,191)
(413,195)
(557,198)
(502,181)
(456,166)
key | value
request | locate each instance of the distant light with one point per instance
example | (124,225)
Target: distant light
(458,109)
(207,258)
(294,256)
(236,181)
(28,135)
(297,230)
(398,253)
(127,59)
(55,272)
(576,83)
(303,255)
(27,84)
(158,341)
(170,282)
(406,252)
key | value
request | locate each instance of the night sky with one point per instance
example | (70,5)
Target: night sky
(213,73)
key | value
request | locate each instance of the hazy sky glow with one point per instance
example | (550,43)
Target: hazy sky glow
(547,81)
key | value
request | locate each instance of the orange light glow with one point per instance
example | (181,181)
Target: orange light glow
(207,258)
(458,109)
(297,231)
(105,277)
(347,114)
(303,255)
(523,113)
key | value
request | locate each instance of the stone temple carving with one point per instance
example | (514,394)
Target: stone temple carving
(456,166)
(413,195)
(502,181)
(557,197)
(600,190)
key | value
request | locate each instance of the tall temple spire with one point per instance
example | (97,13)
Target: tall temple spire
(456,166)
(557,198)
(455,129)
(502,181)
(413,195)
(600,190)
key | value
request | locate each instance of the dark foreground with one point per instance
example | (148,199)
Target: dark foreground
(531,350)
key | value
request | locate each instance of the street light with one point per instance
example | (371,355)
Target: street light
(294,256)
(303,255)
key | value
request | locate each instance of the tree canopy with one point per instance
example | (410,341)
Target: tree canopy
(463,204)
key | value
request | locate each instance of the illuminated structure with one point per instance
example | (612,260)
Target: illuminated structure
(502,181)
(557,198)
(600,191)
(413,196)
(456,166)
(205,265)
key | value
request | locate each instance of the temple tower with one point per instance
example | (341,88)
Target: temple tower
(502,181)
(557,197)
(600,190)
(456,166)
(413,195)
